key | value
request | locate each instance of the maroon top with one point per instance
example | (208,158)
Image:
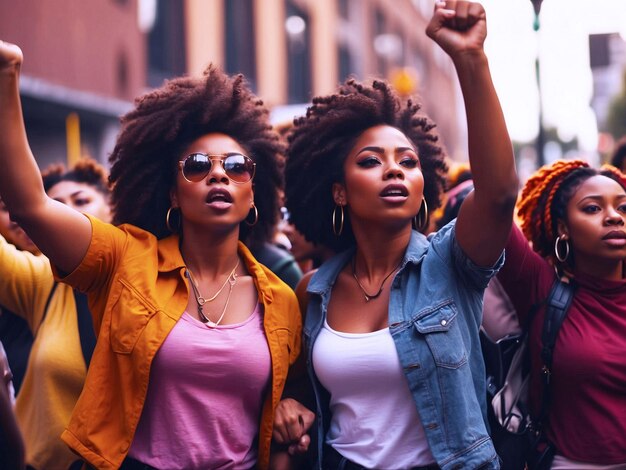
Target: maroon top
(587,416)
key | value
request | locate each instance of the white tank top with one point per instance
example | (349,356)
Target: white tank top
(374,419)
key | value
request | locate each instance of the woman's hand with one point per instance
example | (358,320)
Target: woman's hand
(459,27)
(291,423)
(11,57)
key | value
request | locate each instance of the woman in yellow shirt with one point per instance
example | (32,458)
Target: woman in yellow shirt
(56,368)
(183,195)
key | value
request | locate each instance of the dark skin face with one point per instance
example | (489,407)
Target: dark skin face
(82,197)
(595,227)
(199,208)
(383,181)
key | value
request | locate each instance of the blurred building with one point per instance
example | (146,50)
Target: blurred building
(86,61)
(291,50)
(607,55)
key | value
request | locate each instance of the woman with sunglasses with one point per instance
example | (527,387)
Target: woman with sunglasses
(400,310)
(195,337)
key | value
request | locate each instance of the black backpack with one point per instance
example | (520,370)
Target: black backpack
(518,437)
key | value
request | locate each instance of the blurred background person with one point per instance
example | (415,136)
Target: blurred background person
(309,255)
(272,252)
(59,320)
(15,334)
(11,442)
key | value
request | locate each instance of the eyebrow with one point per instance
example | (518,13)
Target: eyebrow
(382,150)
(74,194)
(599,197)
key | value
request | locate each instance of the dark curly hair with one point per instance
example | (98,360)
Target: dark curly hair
(166,121)
(544,198)
(85,170)
(320,142)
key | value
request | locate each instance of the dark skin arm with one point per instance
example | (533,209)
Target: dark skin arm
(46,221)
(292,419)
(486,216)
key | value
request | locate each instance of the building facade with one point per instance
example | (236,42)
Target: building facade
(83,64)
(86,61)
(291,50)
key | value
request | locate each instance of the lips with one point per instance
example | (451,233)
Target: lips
(218,195)
(394,190)
(615,235)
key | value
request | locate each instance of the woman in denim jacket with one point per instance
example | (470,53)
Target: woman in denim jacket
(391,327)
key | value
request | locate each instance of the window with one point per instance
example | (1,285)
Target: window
(345,63)
(240,45)
(166,43)
(297,28)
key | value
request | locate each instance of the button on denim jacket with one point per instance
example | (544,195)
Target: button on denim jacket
(435,310)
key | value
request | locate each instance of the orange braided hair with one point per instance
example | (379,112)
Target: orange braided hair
(607,168)
(534,207)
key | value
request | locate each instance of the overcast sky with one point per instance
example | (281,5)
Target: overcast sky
(562,42)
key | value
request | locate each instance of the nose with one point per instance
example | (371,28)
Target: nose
(217,173)
(393,170)
(614,217)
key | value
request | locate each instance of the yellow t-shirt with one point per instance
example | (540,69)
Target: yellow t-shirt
(56,369)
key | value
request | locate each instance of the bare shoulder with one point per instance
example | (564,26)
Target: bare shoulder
(301,293)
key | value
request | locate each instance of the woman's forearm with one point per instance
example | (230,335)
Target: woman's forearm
(20,181)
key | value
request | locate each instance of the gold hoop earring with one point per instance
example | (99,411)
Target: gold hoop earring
(338,231)
(256,217)
(420,221)
(167,221)
(561,257)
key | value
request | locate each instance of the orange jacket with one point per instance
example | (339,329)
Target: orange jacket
(137,293)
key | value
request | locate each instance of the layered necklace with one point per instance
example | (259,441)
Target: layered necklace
(231,280)
(367,295)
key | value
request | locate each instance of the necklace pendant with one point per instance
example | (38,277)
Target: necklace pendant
(211,324)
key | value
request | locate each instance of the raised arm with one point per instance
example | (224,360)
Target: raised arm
(61,233)
(486,215)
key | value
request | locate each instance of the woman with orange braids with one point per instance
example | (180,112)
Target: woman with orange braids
(195,336)
(574,217)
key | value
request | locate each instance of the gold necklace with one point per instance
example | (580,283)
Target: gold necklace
(231,280)
(369,297)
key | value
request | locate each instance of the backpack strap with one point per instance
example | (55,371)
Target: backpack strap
(558,303)
(85,323)
(45,309)
(85,326)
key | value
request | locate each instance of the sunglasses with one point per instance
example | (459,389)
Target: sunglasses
(239,168)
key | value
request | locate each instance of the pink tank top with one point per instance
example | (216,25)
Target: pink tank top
(205,396)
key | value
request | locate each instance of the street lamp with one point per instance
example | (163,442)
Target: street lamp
(539,145)
(537,8)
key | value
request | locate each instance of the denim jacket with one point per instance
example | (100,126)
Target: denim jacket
(435,311)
